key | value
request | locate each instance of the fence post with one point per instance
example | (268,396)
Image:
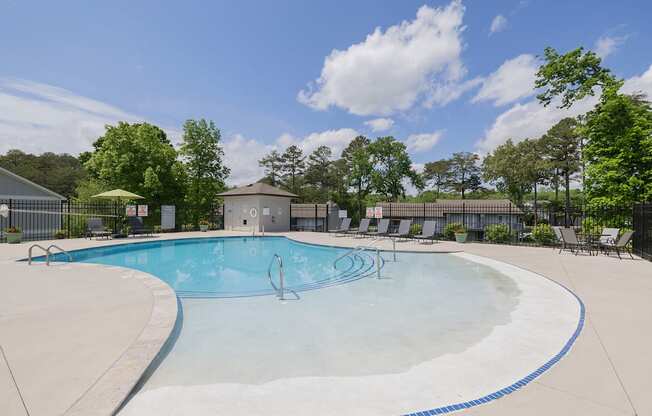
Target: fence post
(11,206)
(326,219)
(510,219)
(315,217)
(68,218)
(464,214)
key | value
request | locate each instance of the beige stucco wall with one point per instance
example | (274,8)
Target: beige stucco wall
(237,210)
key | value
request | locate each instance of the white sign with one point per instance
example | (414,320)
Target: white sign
(130,210)
(253,212)
(167,217)
(370,212)
(266,211)
(342,213)
(142,210)
(4,210)
(378,212)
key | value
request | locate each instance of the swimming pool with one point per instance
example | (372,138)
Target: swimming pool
(436,333)
(235,266)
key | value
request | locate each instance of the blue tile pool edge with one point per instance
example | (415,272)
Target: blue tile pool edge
(520,383)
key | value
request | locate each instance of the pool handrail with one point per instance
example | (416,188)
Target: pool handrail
(363,248)
(279,291)
(51,246)
(29,254)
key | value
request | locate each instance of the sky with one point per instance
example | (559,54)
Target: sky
(441,76)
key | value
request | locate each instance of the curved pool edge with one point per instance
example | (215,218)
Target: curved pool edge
(109,393)
(524,381)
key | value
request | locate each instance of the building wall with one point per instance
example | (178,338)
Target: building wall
(237,213)
(279,218)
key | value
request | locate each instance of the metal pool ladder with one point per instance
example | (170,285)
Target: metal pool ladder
(280,292)
(47,251)
(361,248)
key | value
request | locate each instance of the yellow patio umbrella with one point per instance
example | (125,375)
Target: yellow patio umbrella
(118,195)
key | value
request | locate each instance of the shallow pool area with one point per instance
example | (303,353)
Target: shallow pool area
(436,331)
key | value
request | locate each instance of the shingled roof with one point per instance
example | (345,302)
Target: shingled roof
(258,188)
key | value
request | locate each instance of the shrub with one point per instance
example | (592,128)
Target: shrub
(452,228)
(415,229)
(13,230)
(60,234)
(543,234)
(204,222)
(497,233)
(591,225)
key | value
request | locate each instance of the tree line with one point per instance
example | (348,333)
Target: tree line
(608,151)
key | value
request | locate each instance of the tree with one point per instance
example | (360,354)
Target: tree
(507,167)
(392,165)
(273,164)
(437,175)
(58,172)
(138,158)
(618,152)
(560,146)
(202,156)
(292,168)
(538,170)
(360,168)
(465,172)
(318,172)
(573,76)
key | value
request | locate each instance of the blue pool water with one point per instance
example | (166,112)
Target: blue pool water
(233,266)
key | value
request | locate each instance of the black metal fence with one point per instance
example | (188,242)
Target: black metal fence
(642,223)
(50,219)
(312,217)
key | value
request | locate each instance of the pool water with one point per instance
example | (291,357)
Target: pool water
(234,266)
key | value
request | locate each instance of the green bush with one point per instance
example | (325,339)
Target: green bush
(415,229)
(497,233)
(543,234)
(452,228)
(591,226)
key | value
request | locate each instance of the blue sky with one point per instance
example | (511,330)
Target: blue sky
(442,76)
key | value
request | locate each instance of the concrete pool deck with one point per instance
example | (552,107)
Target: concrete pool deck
(606,373)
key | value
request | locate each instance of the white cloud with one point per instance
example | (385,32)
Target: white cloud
(498,24)
(379,124)
(391,70)
(37,117)
(606,45)
(422,142)
(444,93)
(337,140)
(513,80)
(533,119)
(241,155)
(639,84)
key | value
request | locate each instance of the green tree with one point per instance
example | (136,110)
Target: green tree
(507,167)
(138,158)
(618,152)
(203,160)
(360,169)
(293,166)
(273,164)
(58,172)
(392,166)
(561,148)
(437,174)
(573,76)
(465,173)
(318,172)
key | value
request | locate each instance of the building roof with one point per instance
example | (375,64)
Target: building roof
(31,184)
(258,188)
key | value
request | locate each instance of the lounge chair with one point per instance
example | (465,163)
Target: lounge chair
(95,228)
(560,239)
(136,227)
(403,230)
(344,227)
(609,236)
(427,232)
(383,226)
(572,243)
(620,245)
(362,229)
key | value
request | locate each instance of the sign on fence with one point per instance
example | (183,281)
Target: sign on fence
(167,217)
(142,210)
(370,212)
(130,210)
(378,212)
(342,213)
